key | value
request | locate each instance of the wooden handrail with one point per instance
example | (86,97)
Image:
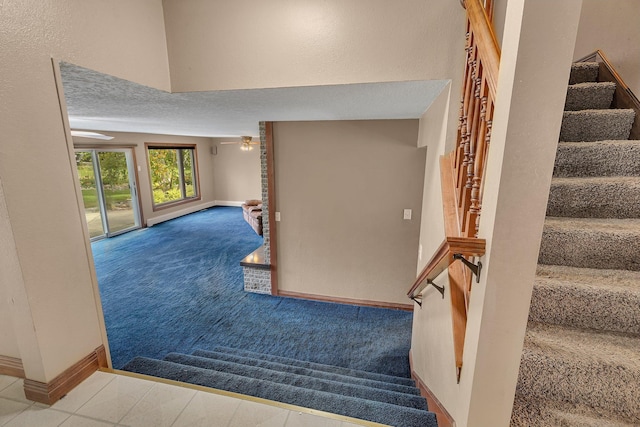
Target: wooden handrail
(444,257)
(462,172)
(488,50)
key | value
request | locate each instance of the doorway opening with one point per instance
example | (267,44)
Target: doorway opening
(109,190)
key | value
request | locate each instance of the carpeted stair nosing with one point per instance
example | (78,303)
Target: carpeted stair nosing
(370,410)
(286,378)
(583,72)
(601,370)
(591,243)
(589,96)
(317,366)
(266,364)
(605,300)
(598,158)
(595,197)
(596,125)
(538,412)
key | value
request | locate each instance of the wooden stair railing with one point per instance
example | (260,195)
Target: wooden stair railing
(462,172)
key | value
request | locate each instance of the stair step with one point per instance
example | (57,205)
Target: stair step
(598,158)
(317,366)
(599,197)
(598,370)
(582,72)
(335,387)
(596,125)
(606,300)
(589,96)
(365,409)
(535,412)
(275,366)
(591,243)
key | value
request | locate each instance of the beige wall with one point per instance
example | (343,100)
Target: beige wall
(9,274)
(517,183)
(55,290)
(341,188)
(236,173)
(252,43)
(205,167)
(614,27)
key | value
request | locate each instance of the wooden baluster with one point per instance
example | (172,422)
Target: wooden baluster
(487,140)
(473,141)
(474,209)
(468,100)
(462,117)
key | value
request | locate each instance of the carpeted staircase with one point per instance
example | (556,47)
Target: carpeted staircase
(581,360)
(369,396)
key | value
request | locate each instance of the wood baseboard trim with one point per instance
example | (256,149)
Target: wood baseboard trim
(350,301)
(49,393)
(444,418)
(11,366)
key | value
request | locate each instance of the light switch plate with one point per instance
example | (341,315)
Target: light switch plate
(278,216)
(407,214)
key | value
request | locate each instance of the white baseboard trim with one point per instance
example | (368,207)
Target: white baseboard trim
(172,215)
(228,203)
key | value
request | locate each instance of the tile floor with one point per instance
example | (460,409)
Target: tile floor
(107,399)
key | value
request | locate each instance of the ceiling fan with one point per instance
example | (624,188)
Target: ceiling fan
(245,145)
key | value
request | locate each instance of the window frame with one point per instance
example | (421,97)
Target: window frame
(196,176)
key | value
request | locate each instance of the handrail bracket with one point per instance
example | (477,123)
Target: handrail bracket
(417,299)
(438,288)
(475,268)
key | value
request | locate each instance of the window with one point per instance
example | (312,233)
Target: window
(173,172)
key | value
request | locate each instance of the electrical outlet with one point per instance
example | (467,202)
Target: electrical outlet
(277,216)
(407,214)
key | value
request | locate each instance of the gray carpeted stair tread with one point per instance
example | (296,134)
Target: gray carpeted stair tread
(370,410)
(281,367)
(607,300)
(591,243)
(597,369)
(595,197)
(317,366)
(537,412)
(598,158)
(589,96)
(582,72)
(596,125)
(303,381)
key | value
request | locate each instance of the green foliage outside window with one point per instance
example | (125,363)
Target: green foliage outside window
(172,174)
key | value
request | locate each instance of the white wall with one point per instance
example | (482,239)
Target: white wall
(205,167)
(56,292)
(341,188)
(236,173)
(614,27)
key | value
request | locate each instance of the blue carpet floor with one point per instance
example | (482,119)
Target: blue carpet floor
(178,287)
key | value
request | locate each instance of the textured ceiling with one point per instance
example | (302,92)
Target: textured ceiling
(97,101)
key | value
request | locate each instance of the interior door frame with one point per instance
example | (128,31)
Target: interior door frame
(133,178)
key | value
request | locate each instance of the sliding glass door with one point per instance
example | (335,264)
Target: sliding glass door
(109,191)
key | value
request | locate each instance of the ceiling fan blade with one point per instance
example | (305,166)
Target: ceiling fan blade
(92,135)
(230,142)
